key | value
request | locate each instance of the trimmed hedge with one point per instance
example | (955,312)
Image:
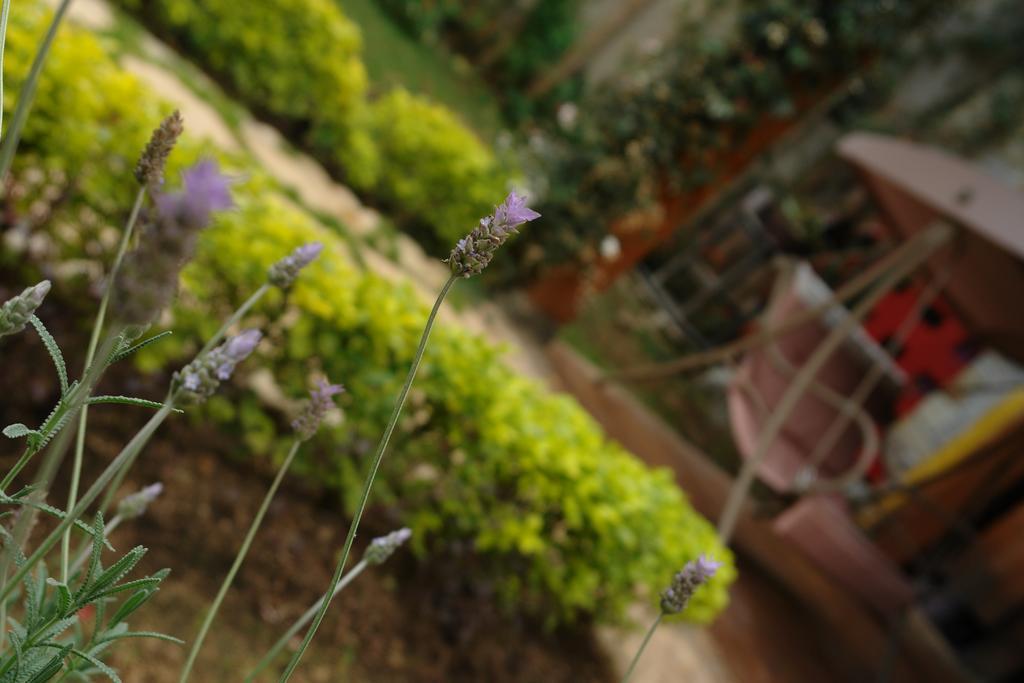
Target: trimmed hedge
(432,167)
(298,63)
(517,488)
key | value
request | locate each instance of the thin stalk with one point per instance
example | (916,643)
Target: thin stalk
(377,457)
(643,646)
(4,13)
(239,558)
(17,468)
(235,317)
(306,617)
(90,354)
(127,454)
(28,91)
(108,498)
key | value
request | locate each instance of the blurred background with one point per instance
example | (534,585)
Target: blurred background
(781,258)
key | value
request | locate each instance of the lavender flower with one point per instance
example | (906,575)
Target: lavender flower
(200,378)
(16,312)
(320,401)
(381,548)
(150,277)
(283,273)
(149,171)
(473,252)
(134,505)
(206,190)
(685,583)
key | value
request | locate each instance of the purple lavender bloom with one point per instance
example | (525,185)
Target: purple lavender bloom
(514,211)
(205,190)
(235,350)
(320,401)
(200,378)
(693,575)
(167,242)
(473,252)
(283,273)
(135,505)
(383,547)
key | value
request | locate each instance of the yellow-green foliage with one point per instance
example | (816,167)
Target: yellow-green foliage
(432,168)
(561,520)
(87,106)
(512,486)
(295,61)
(298,62)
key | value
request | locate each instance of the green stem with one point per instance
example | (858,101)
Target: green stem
(90,354)
(306,617)
(127,454)
(16,469)
(235,317)
(4,13)
(643,646)
(108,498)
(28,91)
(239,558)
(368,485)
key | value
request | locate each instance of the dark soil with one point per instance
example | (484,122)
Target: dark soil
(405,621)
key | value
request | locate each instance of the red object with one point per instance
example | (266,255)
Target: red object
(934,352)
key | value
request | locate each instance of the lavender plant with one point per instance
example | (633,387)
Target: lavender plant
(469,257)
(48,638)
(675,598)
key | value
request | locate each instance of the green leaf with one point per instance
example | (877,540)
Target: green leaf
(129,401)
(52,667)
(147,634)
(50,510)
(106,670)
(63,595)
(110,576)
(121,354)
(17,430)
(58,358)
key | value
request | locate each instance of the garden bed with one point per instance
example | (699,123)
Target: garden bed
(407,621)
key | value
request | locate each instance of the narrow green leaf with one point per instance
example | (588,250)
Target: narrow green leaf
(52,667)
(106,670)
(51,345)
(147,634)
(112,575)
(129,401)
(122,354)
(63,595)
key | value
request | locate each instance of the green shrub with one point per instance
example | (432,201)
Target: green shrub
(432,168)
(562,521)
(296,61)
(514,486)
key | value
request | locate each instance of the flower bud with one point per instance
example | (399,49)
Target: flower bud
(149,170)
(320,401)
(383,547)
(693,575)
(135,504)
(283,273)
(199,379)
(473,252)
(16,312)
